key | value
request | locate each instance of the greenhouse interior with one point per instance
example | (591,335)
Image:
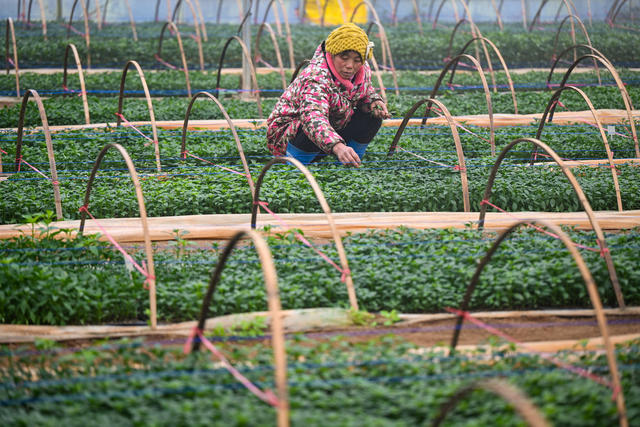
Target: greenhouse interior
(300,212)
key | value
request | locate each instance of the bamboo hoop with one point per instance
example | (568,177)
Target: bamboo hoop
(498,17)
(149,105)
(11,31)
(254,78)
(523,6)
(183,148)
(456,139)
(275,311)
(87,37)
(502,62)
(510,393)
(257,57)
(83,90)
(610,13)
(151,280)
(132,21)
(573,35)
(614,15)
(590,284)
(485,86)
(353,300)
(47,137)
(416,11)
(98,18)
(203,27)
(623,90)
(378,74)
(549,110)
(292,61)
(376,71)
(324,11)
(542,5)
(185,68)
(197,27)
(383,38)
(581,198)
(474,28)
(219,11)
(455,12)
(43,17)
(475,32)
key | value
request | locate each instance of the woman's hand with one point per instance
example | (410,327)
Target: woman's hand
(346,155)
(379,110)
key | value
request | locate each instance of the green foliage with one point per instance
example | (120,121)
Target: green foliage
(83,280)
(385,382)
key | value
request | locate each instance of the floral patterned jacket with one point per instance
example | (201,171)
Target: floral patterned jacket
(319,103)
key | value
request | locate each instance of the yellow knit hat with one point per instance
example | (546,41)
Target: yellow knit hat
(349,37)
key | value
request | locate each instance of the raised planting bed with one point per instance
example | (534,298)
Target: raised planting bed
(84,280)
(399,183)
(383,381)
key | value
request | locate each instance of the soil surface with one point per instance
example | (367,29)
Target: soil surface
(524,329)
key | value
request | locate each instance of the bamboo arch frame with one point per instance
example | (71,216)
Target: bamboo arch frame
(292,61)
(49,143)
(342,11)
(590,284)
(475,33)
(385,47)
(43,17)
(456,139)
(152,116)
(502,62)
(183,147)
(87,37)
(275,311)
(615,9)
(510,393)
(549,112)
(257,57)
(566,4)
(198,36)
(11,31)
(487,94)
(467,12)
(581,198)
(197,23)
(416,10)
(247,57)
(83,90)
(573,38)
(383,38)
(623,91)
(344,264)
(131,20)
(185,68)
(151,280)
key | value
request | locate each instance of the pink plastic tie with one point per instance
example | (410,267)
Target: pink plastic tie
(344,272)
(142,270)
(575,369)
(129,124)
(186,153)
(266,396)
(540,229)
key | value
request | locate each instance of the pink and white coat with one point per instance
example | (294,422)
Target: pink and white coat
(319,102)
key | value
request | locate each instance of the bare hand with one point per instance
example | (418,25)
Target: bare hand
(379,110)
(346,155)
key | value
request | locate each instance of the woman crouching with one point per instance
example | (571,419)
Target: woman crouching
(331,107)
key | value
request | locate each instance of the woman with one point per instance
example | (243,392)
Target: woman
(331,107)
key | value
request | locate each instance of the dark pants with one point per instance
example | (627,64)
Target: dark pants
(357,134)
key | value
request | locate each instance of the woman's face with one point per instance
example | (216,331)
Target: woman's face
(347,63)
